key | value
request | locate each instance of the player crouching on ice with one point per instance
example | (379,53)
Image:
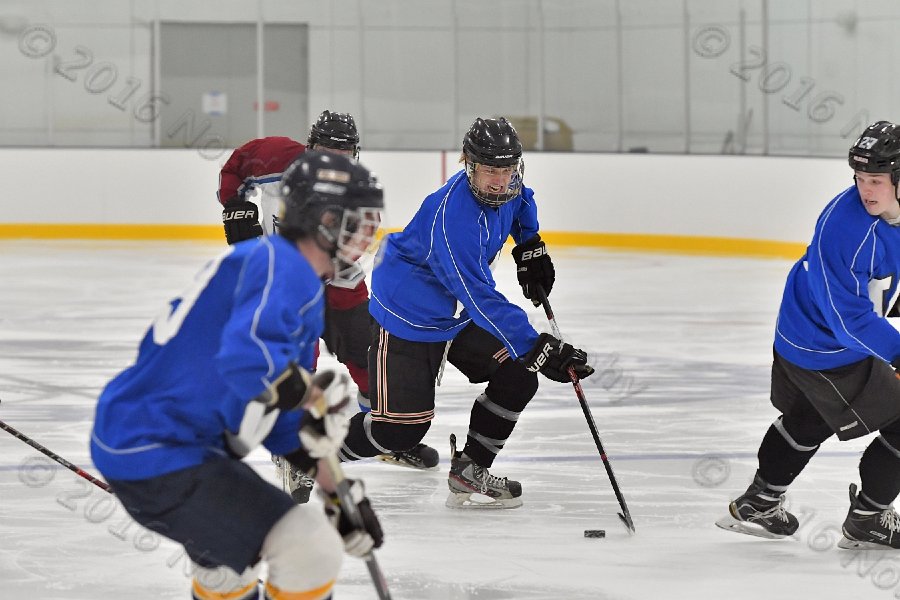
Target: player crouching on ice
(441,259)
(225,368)
(834,347)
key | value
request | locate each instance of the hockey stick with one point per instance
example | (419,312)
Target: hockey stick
(625,516)
(334,466)
(81,473)
(342,487)
(349,508)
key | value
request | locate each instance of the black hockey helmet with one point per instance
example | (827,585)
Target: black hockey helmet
(878,150)
(336,131)
(493,143)
(336,201)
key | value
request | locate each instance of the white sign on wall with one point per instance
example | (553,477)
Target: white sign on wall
(215,103)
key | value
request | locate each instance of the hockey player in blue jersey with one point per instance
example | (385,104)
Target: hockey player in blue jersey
(836,340)
(225,368)
(442,260)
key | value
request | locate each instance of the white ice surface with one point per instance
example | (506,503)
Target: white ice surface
(682,346)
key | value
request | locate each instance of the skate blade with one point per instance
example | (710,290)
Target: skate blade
(393,460)
(849,544)
(284,475)
(480,502)
(729,523)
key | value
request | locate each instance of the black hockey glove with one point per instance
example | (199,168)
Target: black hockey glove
(357,541)
(553,358)
(533,268)
(241,220)
(288,390)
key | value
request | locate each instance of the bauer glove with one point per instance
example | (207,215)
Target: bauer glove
(359,540)
(533,268)
(241,220)
(553,357)
(325,424)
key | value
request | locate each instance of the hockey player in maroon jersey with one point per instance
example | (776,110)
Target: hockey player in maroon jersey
(253,172)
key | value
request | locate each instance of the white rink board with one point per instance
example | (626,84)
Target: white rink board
(758,198)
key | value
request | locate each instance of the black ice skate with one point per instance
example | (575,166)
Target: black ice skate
(298,484)
(420,457)
(471,486)
(872,529)
(760,512)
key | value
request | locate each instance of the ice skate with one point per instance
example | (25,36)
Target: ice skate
(421,457)
(296,483)
(472,486)
(759,512)
(869,529)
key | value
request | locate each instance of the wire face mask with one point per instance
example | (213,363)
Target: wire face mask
(353,242)
(335,201)
(495,186)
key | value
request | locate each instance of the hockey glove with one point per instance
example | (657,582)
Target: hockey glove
(325,424)
(533,268)
(286,392)
(241,220)
(357,541)
(553,358)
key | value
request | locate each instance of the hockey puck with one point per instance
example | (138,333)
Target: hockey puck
(595,533)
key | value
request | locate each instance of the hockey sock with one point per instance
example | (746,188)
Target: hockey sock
(275,593)
(767,489)
(218,583)
(365,404)
(358,443)
(370,438)
(782,457)
(495,412)
(879,472)
(304,553)
(360,376)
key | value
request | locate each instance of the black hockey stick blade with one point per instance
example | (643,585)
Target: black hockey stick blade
(625,516)
(629,524)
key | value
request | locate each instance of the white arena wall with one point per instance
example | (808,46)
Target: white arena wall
(733,205)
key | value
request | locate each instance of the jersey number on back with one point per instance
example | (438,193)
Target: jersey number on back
(878,293)
(168,322)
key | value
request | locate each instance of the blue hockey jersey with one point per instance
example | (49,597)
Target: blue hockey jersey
(249,312)
(837,296)
(443,257)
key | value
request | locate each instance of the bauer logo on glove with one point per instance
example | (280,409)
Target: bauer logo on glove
(553,358)
(534,268)
(241,220)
